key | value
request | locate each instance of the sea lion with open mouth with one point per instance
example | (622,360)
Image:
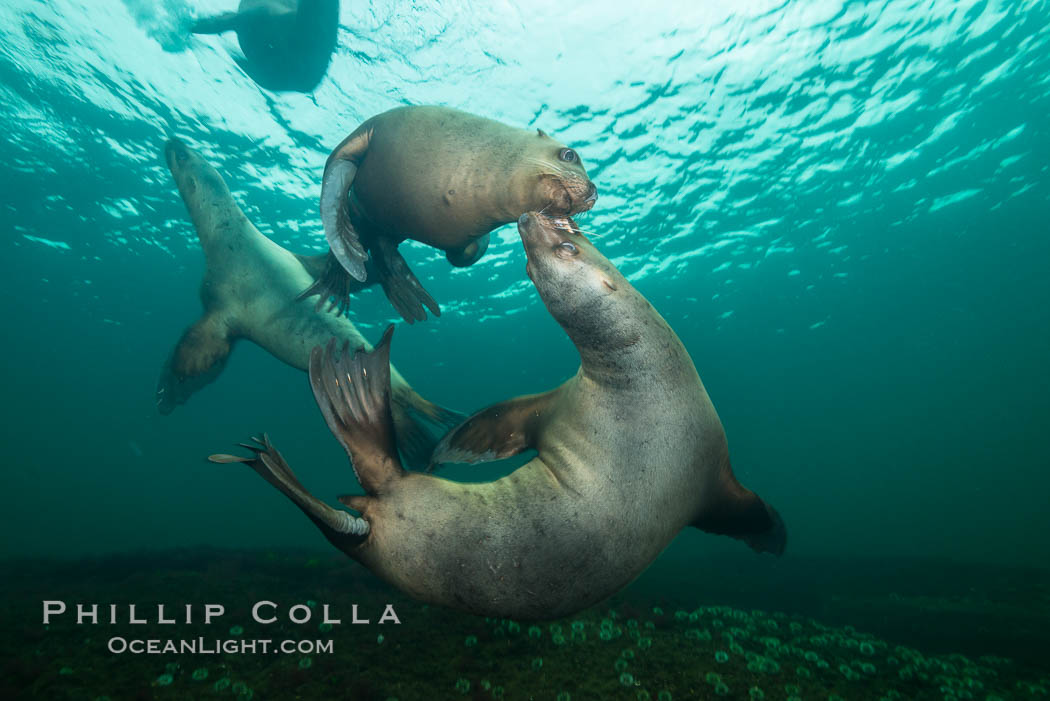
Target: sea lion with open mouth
(441,177)
(249,291)
(630,452)
(287,44)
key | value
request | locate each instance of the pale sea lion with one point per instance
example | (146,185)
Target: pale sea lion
(249,291)
(287,44)
(630,451)
(442,177)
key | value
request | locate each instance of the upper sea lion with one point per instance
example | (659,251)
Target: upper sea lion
(287,44)
(442,177)
(249,291)
(630,451)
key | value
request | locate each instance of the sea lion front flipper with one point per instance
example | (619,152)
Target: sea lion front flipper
(401,286)
(498,432)
(353,393)
(197,359)
(226,22)
(741,514)
(342,529)
(339,172)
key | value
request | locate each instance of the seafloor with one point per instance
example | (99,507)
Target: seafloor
(810,629)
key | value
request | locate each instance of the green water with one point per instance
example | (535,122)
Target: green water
(840,208)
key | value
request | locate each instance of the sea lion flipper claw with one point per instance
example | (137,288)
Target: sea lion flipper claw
(400,284)
(498,432)
(342,528)
(353,394)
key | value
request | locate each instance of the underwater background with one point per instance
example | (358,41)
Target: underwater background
(840,207)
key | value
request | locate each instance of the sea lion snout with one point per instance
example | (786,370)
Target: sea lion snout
(590,199)
(538,229)
(176,152)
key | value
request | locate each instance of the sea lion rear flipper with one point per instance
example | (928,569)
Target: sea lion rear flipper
(339,172)
(401,286)
(333,285)
(226,22)
(419,424)
(342,529)
(741,514)
(470,254)
(316,264)
(353,393)
(498,432)
(197,359)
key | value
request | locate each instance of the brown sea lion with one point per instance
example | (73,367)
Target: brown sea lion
(630,452)
(442,177)
(249,291)
(287,44)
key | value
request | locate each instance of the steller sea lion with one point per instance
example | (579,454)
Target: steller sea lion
(629,452)
(249,291)
(287,44)
(439,176)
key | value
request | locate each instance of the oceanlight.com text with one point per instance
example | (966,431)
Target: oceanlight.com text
(214,646)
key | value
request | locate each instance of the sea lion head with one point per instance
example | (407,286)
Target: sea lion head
(196,178)
(563,185)
(583,291)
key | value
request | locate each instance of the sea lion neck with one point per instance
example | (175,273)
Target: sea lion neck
(622,340)
(204,191)
(518,190)
(628,346)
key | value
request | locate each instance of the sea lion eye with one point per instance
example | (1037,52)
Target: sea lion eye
(568,155)
(567,248)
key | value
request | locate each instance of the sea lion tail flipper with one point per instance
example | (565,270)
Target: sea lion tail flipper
(197,359)
(353,393)
(401,286)
(339,172)
(226,22)
(498,432)
(341,528)
(742,514)
(419,424)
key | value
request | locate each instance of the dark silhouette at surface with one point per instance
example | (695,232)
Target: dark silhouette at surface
(287,44)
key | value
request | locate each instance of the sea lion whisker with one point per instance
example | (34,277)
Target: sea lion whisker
(548,168)
(589,233)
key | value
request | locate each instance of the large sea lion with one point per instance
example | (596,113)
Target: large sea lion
(630,451)
(441,177)
(249,291)
(287,44)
